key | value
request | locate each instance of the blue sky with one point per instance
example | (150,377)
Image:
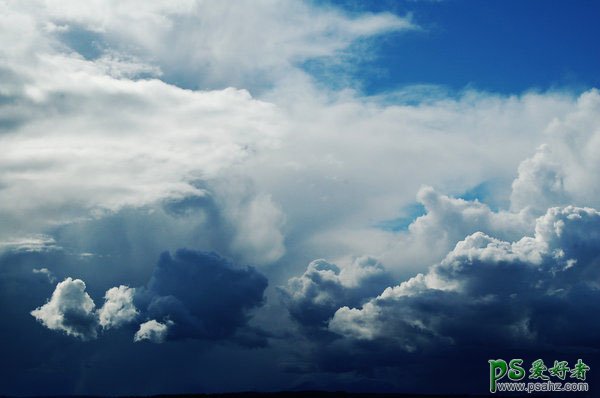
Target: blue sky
(207,196)
(500,46)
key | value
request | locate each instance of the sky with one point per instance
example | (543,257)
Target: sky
(204,196)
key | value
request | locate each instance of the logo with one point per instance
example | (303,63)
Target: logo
(510,376)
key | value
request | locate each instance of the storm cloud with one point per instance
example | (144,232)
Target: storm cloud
(202,295)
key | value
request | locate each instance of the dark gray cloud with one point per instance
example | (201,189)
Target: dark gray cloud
(202,294)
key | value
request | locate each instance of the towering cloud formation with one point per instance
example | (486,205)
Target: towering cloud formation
(563,171)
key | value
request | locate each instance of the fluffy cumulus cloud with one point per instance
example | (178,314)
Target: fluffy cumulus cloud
(446,221)
(118,308)
(563,170)
(72,310)
(152,331)
(541,178)
(532,292)
(357,162)
(313,297)
(69,310)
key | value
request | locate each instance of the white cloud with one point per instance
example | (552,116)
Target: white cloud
(47,273)
(358,191)
(216,44)
(158,140)
(331,164)
(258,236)
(30,243)
(564,171)
(350,162)
(152,331)
(446,221)
(154,145)
(118,308)
(102,140)
(70,310)
(540,183)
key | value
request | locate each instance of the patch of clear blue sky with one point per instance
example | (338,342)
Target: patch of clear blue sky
(493,193)
(408,215)
(502,46)
(88,44)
